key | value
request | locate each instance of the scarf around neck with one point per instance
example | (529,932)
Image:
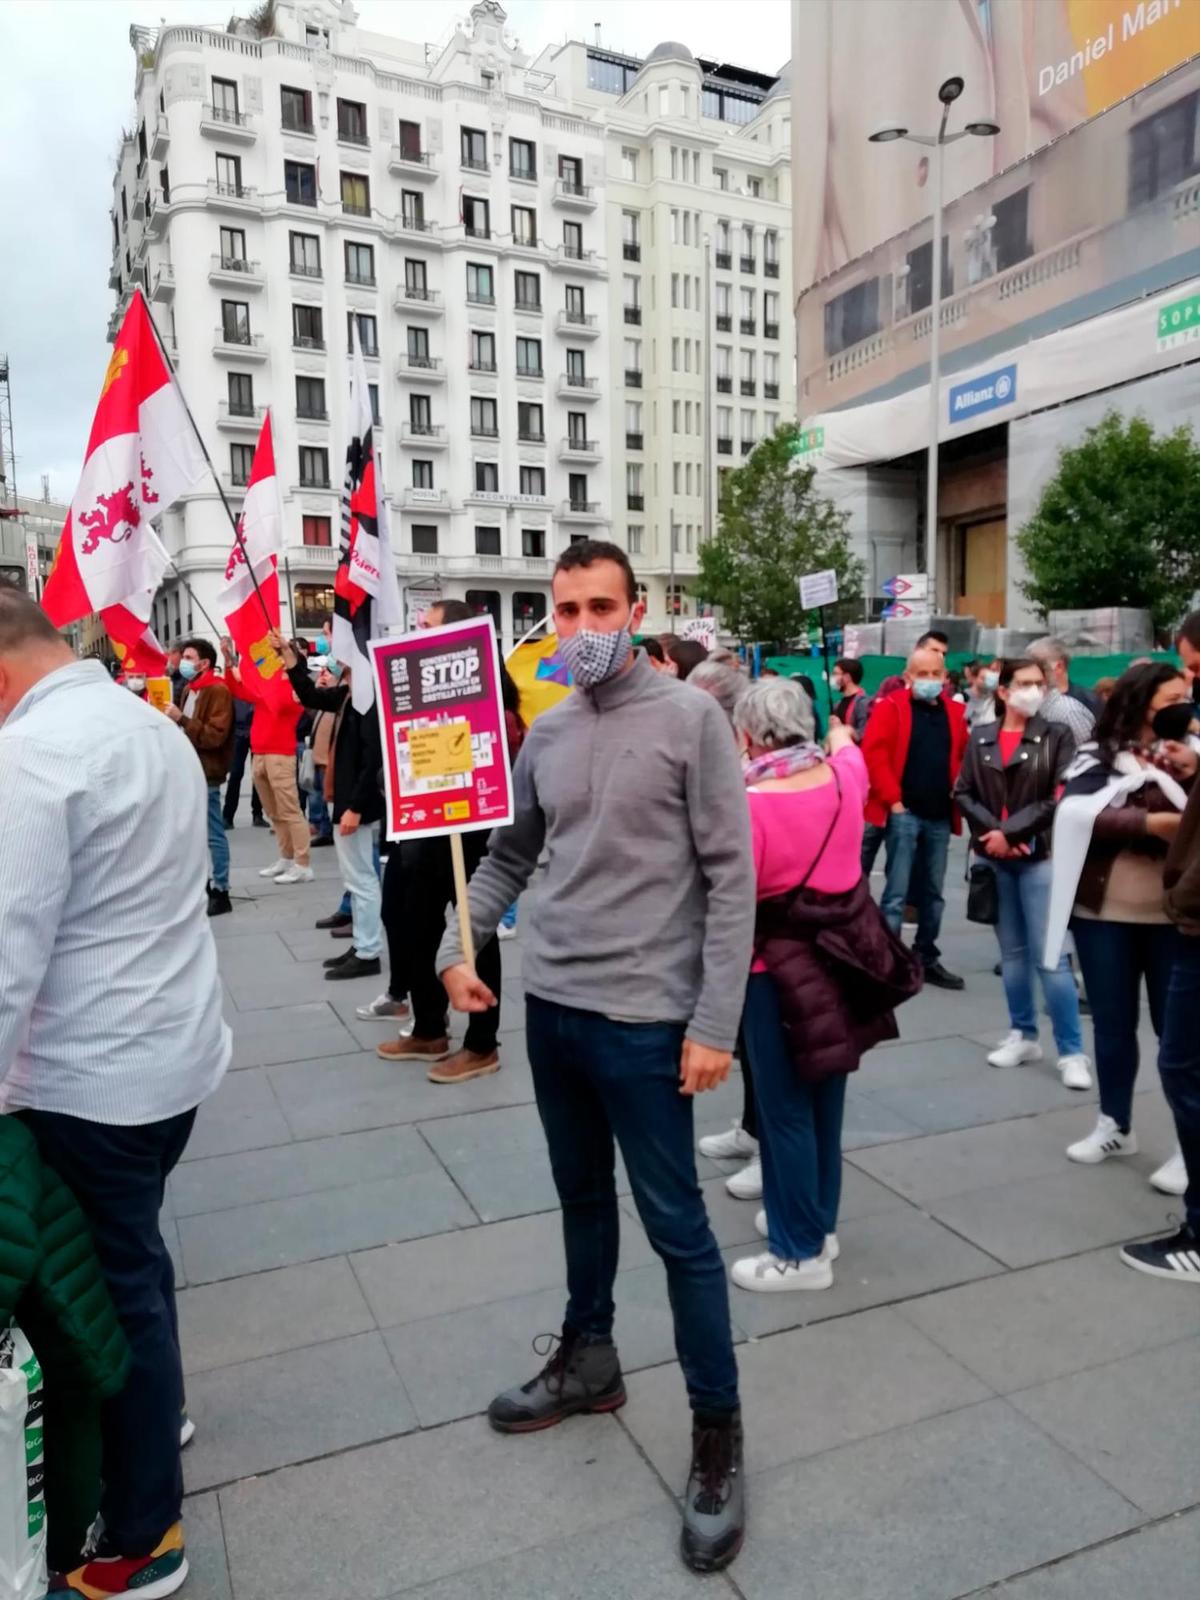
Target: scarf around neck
(782,763)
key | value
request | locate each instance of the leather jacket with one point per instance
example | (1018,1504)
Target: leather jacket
(1019,798)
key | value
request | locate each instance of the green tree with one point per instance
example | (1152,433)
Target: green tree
(772,528)
(1119,523)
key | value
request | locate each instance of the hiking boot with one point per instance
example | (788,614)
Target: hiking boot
(714,1502)
(464,1065)
(582,1374)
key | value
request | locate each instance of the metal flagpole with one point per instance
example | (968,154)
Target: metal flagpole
(287,573)
(193,595)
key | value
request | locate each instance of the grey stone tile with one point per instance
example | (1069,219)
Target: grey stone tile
(242,1319)
(484,1135)
(1027,1327)
(208,1569)
(987,1096)
(929,1511)
(884,1258)
(1061,1214)
(412,1510)
(296,1033)
(1133,1422)
(363,1091)
(279,1233)
(292,984)
(219,1182)
(918,1063)
(293,1407)
(242,1115)
(808,1391)
(1161,1561)
(969,1158)
(265,949)
(312,944)
(867,1121)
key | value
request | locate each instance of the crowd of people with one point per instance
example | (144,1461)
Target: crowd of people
(700,852)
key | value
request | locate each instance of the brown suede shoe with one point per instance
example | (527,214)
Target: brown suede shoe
(464,1064)
(414,1049)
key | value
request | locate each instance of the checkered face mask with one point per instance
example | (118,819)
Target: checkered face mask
(595,657)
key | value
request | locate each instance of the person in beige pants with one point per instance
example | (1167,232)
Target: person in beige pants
(273,765)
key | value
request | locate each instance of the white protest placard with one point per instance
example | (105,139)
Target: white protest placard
(702,629)
(818,589)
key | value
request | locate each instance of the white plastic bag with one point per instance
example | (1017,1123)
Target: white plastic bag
(22,1485)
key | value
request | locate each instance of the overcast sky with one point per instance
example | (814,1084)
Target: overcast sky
(68,89)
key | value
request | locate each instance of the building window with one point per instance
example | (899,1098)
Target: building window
(308,328)
(483,418)
(229,175)
(352,122)
(530,423)
(424,540)
(522,158)
(233,249)
(412,210)
(368,332)
(373,398)
(482,357)
(570,174)
(410,141)
(631,235)
(635,533)
(575,304)
(487,477)
(1163,151)
(360,264)
(577,490)
(356,194)
(473,145)
(241,459)
(417,345)
(476,217)
(576,369)
(610,74)
(1010,236)
(720,174)
(296,106)
(420,413)
(533,482)
(634,493)
(573,240)
(314,604)
(241,394)
(314,467)
(317,531)
(527,287)
(529,358)
(304,255)
(235,321)
(310,398)
(416,283)
(422,474)
(726,106)
(533,543)
(300,183)
(224,107)
(524,226)
(577,432)
(851,316)
(629,164)
(487,541)
(481,285)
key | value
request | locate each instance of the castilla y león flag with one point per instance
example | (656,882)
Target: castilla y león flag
(142,453)
(249,612)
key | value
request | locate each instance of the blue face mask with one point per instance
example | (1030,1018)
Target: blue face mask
(927,688)
(188,670)
(322,646)
(334,668)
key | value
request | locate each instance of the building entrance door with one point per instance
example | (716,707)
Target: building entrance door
(984,568)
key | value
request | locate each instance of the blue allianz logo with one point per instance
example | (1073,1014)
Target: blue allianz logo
(984,393)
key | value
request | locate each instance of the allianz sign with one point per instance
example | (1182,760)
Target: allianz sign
(985,393)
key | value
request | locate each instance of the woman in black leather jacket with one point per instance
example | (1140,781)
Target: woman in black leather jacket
(1011,776)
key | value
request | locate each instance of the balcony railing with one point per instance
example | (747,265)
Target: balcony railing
(312,415)
(576,380)
(474,164)
(569,193)
(724,447)
(352,136)
(481,299)
(530,436)
(770,330)
(576,319)
(633,377)
(307,341)
(529,374)
(633,314)
(635,502)
(236,265)
(233,119)
(580,508)
(631,251)
(230,415)
(722,260)
(294,124)
(747,386)
(746,263)
(422,433)
(771,269)
(634,441)
(528,308)
(233,191)
(406,157)
(300,269)
(484,430)
(355,208)
(747,325)
(522,174)
(473,232)
(576,444)
(421,363)
(481,366)
(747,446)
(238,336)
(315,483)
(724,323)
(770,391)
(410,222)
(724,385)
(361,280)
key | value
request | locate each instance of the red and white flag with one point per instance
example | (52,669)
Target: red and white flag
(249,612)
(142,454)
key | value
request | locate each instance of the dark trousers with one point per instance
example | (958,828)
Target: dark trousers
(429,888)
(118,1175)
(233,785)
(595,1079)
(1179,1063)
(396,923)
(1114,958)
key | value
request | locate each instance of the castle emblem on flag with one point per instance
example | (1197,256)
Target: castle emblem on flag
(267,660)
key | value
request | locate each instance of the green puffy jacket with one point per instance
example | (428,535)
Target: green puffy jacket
(50,1284)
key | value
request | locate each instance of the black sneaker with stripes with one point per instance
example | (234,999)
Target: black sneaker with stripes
(1176,1255)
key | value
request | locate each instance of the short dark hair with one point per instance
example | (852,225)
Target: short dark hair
(454,610)
(934,633)
(22,621)
(206,652)
(687,654)
(586,553)
(1011,665)
(653,648)
(851,667)
(1189,630)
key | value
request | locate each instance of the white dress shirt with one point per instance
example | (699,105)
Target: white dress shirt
(110,1001)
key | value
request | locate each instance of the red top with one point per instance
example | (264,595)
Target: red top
(885,748)
(1009,743)
(273,727)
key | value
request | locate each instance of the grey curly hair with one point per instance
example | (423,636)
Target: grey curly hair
(773,713)
(726,684)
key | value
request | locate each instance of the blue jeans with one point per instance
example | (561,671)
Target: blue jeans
(509,919)
(318,808)
(218,844)
(1023,897)
(594,1078)
(873,837)
(1179,1063)
(358,858)
(799,1131)
(344,906)
(1114,957)
(916,871)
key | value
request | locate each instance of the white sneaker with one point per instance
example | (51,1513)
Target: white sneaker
(295,874)
(275,868)
(731,1145)
(187,1431)
(746,1184)
(1076,1072)
(505,932)
(830,1250)
(382,1009)
(768,1274)
(1171,1177)
(1014,1050)
(1105,1140)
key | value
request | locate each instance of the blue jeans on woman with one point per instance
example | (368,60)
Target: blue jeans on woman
(1114,958)
(1023,901)
(799,1132)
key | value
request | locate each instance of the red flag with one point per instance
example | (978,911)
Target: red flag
(261,524)
(142,453)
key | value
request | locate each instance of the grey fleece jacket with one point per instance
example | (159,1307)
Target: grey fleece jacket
(646,913)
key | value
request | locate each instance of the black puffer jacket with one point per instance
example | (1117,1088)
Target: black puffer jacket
(1019,798)
(357,751)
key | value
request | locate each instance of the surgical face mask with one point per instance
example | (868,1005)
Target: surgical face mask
(138,685)
(927,688)
(988,681)
(335,668)
(1028,700)
(594,657)
(322,645)
(1173,722)
(839,684)
(188,670)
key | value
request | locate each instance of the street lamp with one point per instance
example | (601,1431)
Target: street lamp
(888,133)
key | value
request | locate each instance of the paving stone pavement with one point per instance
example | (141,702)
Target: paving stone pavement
(987,1403)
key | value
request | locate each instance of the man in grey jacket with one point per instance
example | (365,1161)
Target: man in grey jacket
(636,961)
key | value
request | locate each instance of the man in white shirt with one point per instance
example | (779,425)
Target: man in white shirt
(111,1031)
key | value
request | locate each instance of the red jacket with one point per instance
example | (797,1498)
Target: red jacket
(273,729)
(885,749)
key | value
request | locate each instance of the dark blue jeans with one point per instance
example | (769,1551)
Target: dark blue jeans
(218,844)
(118,1175)
(594,1079)
(1114,957)
(916,871)
(799,1131)
(1179,1063)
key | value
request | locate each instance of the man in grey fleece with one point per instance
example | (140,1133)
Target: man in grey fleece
(636,959)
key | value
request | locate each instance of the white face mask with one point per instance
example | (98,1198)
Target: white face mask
(1028,701)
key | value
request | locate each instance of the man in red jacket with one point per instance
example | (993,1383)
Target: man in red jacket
(913,745)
